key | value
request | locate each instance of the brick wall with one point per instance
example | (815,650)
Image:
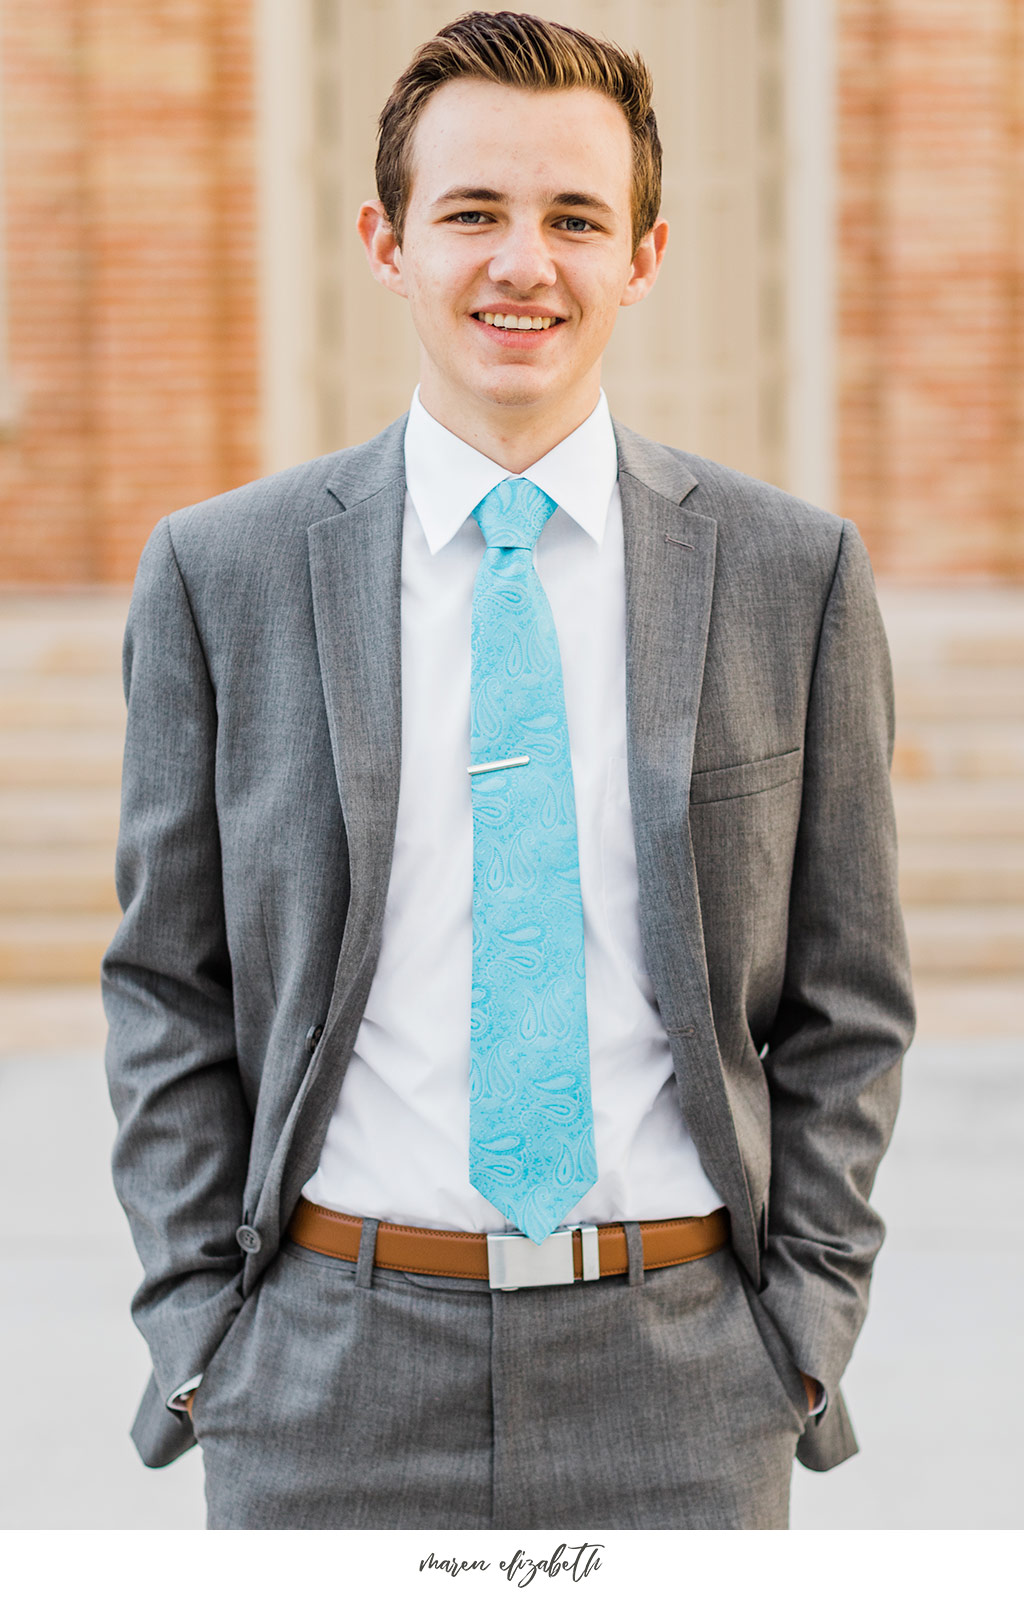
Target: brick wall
(931,282)
(131,273)
(129,146)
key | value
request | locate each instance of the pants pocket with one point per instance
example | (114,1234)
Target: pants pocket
(784,1369)
(220,1359)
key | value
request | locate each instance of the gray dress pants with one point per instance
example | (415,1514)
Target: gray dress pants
(346,1397)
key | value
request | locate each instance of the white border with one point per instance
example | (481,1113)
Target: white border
(729,1566)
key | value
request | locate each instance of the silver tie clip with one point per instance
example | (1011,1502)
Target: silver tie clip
(498,766)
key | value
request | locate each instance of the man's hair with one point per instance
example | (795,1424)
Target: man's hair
(519,51)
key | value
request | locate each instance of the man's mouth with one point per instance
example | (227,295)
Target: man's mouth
(499,319)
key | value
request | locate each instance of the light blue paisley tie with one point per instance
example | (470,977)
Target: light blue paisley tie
(531,1129)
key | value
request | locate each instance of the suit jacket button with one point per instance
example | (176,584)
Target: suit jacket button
(249,1240)
(313,1037)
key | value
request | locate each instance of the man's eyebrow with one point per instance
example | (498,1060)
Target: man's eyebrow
(591,202)
(468,194)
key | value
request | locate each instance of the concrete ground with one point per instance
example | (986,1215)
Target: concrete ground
(935,1387)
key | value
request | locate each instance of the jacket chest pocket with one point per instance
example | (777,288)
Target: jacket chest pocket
(746,778)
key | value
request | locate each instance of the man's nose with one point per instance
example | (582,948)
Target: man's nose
(522,259)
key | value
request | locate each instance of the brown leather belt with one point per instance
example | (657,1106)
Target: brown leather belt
(437,1253)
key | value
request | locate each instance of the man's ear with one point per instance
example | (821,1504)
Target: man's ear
(381,246)
(646,264)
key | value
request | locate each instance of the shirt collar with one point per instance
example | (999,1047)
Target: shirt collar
(446,477)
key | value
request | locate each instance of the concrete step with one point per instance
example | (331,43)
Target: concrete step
(53,949)
(959,809)
(989,650)
(57,879)
(971,1008)
(44,817)
(916,649)
(70,608)
(61,758)
(60,702)
(50,1018)
(962,871)
(967,748)
(966,941)
(61,647)
(944,691)
(956,625)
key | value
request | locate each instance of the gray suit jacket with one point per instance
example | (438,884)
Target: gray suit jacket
(260,792)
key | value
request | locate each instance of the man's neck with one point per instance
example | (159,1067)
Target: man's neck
(506,434)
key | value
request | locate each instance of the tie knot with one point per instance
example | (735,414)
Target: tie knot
(513,514)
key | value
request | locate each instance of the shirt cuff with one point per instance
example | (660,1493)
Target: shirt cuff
(176,1401)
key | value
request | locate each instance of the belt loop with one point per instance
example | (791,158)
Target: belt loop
(367,1250)
(634,1254)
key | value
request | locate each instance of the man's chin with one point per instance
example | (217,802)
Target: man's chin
(508,388)
(519,388)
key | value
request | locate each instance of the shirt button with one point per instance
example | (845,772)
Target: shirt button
(249,1240)
(314,1036)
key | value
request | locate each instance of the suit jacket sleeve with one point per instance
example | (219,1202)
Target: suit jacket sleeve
(183,1123)
(846,1017)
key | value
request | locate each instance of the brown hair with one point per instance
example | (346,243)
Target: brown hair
(521,52)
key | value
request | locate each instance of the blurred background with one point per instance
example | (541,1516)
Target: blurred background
(184,306)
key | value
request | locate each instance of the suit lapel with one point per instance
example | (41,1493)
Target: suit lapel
(355,574)
(670,570)
(355,564)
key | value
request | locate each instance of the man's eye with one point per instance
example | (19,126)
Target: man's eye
(470,216)
(576,224)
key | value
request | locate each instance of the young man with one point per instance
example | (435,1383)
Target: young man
(510,900)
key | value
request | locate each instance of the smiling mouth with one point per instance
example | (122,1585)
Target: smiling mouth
(497,319)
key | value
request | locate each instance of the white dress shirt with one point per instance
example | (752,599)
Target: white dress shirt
(397,1147)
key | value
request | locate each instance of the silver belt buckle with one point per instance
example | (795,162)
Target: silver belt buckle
(515,1262)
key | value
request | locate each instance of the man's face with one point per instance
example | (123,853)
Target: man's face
(519,207)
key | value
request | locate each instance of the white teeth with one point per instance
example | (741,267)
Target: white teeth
(498,319)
